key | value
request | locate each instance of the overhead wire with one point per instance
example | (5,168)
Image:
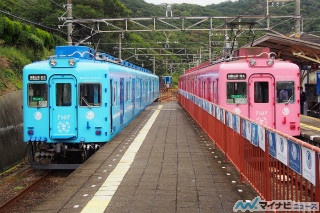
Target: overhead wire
(56,4)
(19,17)
(30,22)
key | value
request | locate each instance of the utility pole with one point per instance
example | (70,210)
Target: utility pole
(210,54)
(297,25)
(120,37)
(297,15)
(168,10)
(69,13)
(154,64)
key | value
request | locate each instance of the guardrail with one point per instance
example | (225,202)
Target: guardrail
(277,166)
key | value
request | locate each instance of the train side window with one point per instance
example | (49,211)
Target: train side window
(236,92)
(261,92)
(215,92)
(37,95)
(212,86)
(137,88)
(114,98)
(203,89)
(63,94)
(90,94)
(285,92)
(127,91)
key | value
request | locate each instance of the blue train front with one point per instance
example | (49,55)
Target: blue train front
(77,100)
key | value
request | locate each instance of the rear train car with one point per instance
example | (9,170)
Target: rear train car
(165,82)
(253,84)
(77,100)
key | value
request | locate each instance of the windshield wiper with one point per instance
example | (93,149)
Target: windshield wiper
(288,100)
(86,102)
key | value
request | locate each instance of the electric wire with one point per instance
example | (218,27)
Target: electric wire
(30,22)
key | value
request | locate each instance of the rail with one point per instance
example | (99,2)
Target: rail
(277,166)
(30,185)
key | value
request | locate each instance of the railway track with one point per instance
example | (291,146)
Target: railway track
(23,188)
(14,199)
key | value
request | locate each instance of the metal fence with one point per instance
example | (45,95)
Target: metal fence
(277,166)
(168,94)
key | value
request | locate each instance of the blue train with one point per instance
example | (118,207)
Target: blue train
(79,99)
(166,82)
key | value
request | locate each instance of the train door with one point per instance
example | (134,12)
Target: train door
(204,93)
(212,84)
(112,101)
(150,91)
(121,101)
(141,89)
(63,110)
(133,95)
(261,99)
(207,92)
(215,91)
(147,92)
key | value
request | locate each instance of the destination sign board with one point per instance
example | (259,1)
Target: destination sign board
(37,77)
(236,76)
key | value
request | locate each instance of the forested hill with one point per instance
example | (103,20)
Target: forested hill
(309,10)
(29,30)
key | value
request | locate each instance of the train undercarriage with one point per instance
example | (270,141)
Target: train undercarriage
(44,155)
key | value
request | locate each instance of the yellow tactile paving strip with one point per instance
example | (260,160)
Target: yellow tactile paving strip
(103,196)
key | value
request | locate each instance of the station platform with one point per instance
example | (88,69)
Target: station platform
(310,129)
(161,162)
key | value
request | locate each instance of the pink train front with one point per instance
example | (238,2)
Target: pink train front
(251,83)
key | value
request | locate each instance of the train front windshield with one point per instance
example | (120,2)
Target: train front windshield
(37,95)
(236,92)
(285,92)
(90,94)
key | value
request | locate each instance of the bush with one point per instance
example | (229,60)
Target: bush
(8,81)
(17,59)
(17,34)
(11,65)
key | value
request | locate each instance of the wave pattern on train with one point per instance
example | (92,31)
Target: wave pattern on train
(77,100)
(251,83)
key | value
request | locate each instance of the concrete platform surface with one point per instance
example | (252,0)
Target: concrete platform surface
(161,162)
(310,129)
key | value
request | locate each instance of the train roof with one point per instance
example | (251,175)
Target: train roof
(75,52)
(242,53)
(84,52)
(252,57)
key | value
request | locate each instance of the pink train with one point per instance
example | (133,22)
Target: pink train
(251,83)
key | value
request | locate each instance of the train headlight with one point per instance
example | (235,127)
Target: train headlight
(252,62)
(72,62)
(30,132)
(270,62)
(53,62)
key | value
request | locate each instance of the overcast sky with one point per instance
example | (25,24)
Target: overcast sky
(199,2)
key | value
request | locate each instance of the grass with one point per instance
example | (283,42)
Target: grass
(12,62)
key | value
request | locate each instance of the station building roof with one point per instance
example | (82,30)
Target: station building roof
(304,50)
